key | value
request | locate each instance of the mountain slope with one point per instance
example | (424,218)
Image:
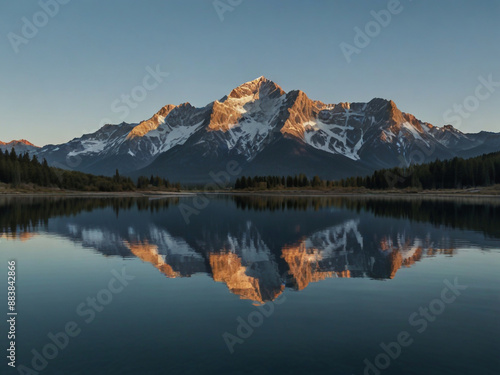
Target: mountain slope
(267,131)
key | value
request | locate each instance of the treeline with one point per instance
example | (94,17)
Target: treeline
(30,214)
(271,182)
(16,169)
(21,169)
(456,173)
(156,181)
(465,214)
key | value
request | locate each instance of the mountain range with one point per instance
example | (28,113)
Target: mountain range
(267,131)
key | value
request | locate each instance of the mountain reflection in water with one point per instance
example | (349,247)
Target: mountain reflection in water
(258,246)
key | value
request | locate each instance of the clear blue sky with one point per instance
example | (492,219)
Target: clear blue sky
(63,81)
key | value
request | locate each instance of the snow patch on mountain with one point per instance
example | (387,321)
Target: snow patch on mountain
(331,138)
(258,118)
(168,137)
(416,135)
(89,147)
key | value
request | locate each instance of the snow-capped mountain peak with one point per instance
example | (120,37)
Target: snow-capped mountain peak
(258,87)
(267,130)
(151,124)
(21,145)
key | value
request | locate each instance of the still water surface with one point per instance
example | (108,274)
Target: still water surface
(256,285)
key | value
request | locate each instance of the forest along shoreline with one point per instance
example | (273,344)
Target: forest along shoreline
(486,192)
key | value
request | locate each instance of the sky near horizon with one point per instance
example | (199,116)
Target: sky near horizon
(68,75)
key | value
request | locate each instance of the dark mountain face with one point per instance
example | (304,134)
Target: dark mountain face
(267,131)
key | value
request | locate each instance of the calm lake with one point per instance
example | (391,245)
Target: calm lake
(253,285)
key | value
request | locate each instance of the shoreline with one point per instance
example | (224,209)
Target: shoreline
(91,194)
(477,193)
